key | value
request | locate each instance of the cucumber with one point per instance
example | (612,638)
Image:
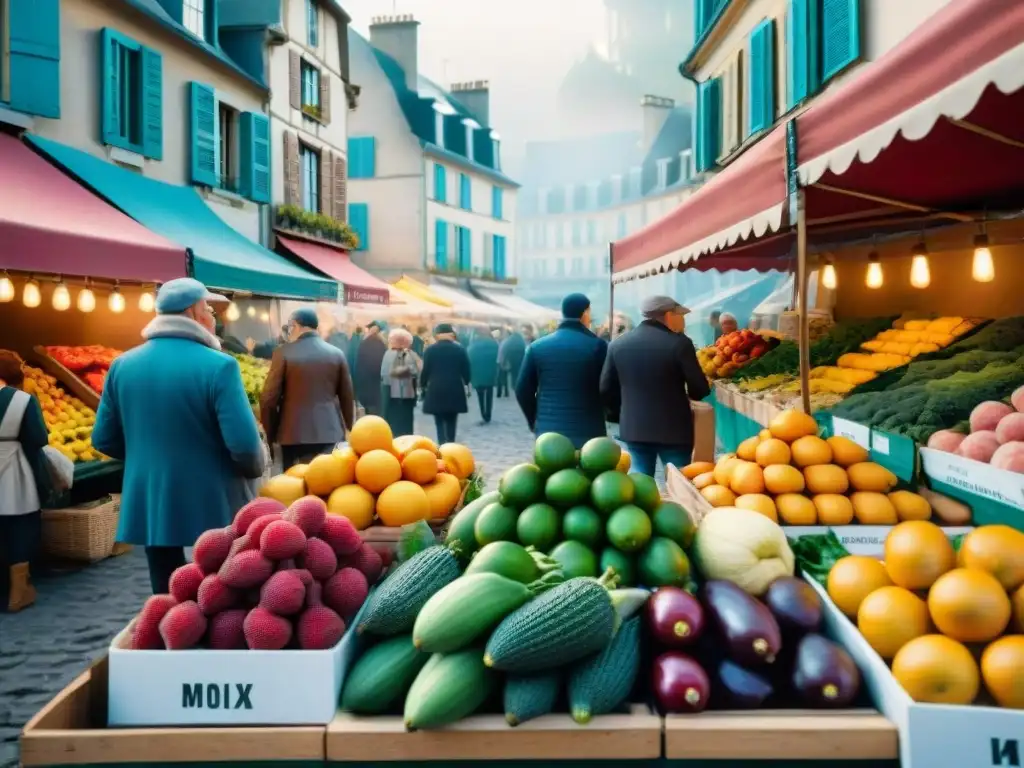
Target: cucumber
(600,684)
(450,686)
(565,624)
(391,609)
(512,561)
(531,696)
(469,607)
(460,529)
(382,676)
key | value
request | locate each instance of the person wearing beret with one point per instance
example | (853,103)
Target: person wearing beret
(444,378)
(369,355)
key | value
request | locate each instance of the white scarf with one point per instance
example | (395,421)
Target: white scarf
(179,327)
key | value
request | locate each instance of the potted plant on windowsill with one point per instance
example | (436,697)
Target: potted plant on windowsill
(312,110)
(288,216)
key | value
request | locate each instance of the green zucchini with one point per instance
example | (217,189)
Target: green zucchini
(391,609)
(531,696)
(567,623)
(467,608)
(450,686)
(600,684)
(382,676)
(460,529)
(522,564)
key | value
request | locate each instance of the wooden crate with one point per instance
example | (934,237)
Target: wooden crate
(69,380)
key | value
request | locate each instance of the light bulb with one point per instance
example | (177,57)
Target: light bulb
(982,268)
(920,274)
(265,317)
(874,277)
(6,289)
(828,277)
(30,296)
(86,300)
(251,311)
(116,301)
(61,297)
(146,302)
(232,313)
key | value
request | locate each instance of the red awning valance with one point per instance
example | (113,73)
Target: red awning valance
(360,286)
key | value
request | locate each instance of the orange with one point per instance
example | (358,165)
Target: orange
(873,508)
(772,451)
(459,460)
(969,606)
(765,434)
(625,463)
(402,503)
(1017,601)
(405,444)
(690,471)
(748,448)
(811,450)
(1002,669)
(718,496)
(371,433)
(845,452)
(890,617)
(758,502)
(724,469)
(997,549)
(298,470)
(937,670)
(796,509)
(701,482)
(910,505)
(853,578)
(746,478)
(791,425)
(284,488)
(330,471)
(782,478)
(917,552)
(419,466)
(443,495)
(834,509)
(354,502)
(377,469)
(825,478)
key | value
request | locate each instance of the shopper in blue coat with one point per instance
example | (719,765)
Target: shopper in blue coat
(559,383)
(483,364)
(175,412)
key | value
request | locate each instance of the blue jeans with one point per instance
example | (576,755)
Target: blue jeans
(446,424)
(645,456)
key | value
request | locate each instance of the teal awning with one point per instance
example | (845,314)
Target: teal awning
(221,256)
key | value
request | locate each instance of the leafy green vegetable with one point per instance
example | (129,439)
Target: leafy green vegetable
(413,539)
(816,553)
(475,489)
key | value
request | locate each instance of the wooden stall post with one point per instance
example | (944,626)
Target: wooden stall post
(804,338)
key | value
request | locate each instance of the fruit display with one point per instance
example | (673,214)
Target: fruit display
(996,434)
(946,615)
(254,375)
(732,351)
(90,363)
(68,420)
(277,578)
(380,479)
(788,473)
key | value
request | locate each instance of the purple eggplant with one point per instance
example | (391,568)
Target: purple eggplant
(675,617)
(739,688)
(680,683)
(749,629)
(795,605)
(824,675)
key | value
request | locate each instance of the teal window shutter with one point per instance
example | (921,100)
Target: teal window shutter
(359,221)
(465,193)
(499,257)
(840,36)
(441,244)
(761,90)
(362,160)
(803,60)
(497,202)
(709,124)
(440,183)
(34,61)
(153,104)
(203,121)
(467,250)
(254,143)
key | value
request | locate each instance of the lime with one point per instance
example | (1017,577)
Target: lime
(610,490)
(598,455)
(567,488)
(646,496)
(576,559)
(584,525)
(521,485)
(629,528)
(622,564)
(552,452)
(537,526)
(673,522)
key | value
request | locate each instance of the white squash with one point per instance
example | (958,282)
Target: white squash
(743,547)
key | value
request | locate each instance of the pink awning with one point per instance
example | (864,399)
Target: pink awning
(360,286)
(51,224)
(748,197)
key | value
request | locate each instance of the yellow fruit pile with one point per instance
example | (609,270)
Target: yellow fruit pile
(68,420)
(922,606)
(395,481)
(792,476)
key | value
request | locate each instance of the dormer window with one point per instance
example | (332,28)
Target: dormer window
(471,125)
(686,165)
(193,17)
(496,149)
(663,173)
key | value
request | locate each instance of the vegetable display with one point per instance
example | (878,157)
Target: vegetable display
(732,351)
(254,375)
(996,434)
(69,421)
(89,363)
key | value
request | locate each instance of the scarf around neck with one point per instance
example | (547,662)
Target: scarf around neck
(179,327)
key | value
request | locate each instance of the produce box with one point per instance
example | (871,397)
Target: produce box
(994,495)
(73,730)
(897,453)
(629,736)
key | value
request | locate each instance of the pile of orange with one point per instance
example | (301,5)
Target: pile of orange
(948,621)
(380,478)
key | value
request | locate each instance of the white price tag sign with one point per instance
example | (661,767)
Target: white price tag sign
(964,736)
(974,477)
(851,430)
(880,443)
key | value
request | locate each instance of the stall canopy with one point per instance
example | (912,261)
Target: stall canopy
(747,198)
(360,286)
(221,256)
(48,223)
(469,306)
(523,308)
(418,290)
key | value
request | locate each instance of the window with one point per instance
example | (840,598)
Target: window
(309,165)
(128,123)
(132,97)
(465,193)
(497,203)
(559,267)
(441,244)
(310,89)
(489,254)
(193,17)
(463,246)
(440,183)
(228,148)
(30,56)
(312,24)
(576,269)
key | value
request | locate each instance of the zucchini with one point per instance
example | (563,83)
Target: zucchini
(600,684)
(460,529)
(450,686)
(468,607)
(522,564)
(382,676)
(567,623)
(391,609)
(531,696)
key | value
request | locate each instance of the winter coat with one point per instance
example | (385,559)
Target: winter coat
(175,412)
(367,373)
(511,354)
(483,361)
(444,378)
(400,387)
(558,385)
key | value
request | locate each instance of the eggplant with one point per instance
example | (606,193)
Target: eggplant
(744,622)
(824,675)
(680,683)
(739,688)
(795,605)
(675,617)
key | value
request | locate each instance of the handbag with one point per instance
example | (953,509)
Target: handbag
(60,469)
(400,368)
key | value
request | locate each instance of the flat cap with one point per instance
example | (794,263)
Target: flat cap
(656,306)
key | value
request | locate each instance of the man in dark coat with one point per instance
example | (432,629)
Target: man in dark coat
(510,360)
(444,378)
(483,364)
(558,384)
(368,361)
(649,378)
(307,403)
(419,341)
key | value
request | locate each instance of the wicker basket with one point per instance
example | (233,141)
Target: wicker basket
(84,533)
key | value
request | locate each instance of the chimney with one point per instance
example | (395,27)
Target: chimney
(476,96)
(398,37)
(656,110)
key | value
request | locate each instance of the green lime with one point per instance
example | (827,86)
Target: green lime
(610,490)
(567,488)
(497,522)
(673,522)
(537,526)
(552,452)
(598,455)
(521,485)
(629,528)
(646,494)
(622,563)
(576,559)
(663,564)
(584,525)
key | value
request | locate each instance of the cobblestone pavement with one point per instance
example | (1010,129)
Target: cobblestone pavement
(77,613)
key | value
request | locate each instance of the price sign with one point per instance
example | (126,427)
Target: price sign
(851,430)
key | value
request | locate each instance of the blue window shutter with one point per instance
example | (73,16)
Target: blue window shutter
(709,123)
(465,193)
(212,22)
(153,104)
(803,60)
(440,183)
(761,90)
(110,87)
(203,114)
(497,202)
(441,244)
(369,156)
(359,220)
(499,256)
(362,161)
(34,39)
(840,36)
(254,143)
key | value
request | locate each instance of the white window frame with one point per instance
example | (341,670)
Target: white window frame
(193,17)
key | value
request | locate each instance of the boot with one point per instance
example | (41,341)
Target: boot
(21,593)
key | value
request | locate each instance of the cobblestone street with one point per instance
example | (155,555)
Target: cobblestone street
(77,613)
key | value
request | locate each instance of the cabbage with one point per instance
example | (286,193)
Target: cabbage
(743,547)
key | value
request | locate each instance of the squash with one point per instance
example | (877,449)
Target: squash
(742,546)
(391,609)
(450,686)
(600,684)
(531,696)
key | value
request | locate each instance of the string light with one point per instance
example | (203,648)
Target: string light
(6,289)
(30,296)
(116,301)
(61,298)
(146,302)
(828,277)
(874,278)
(920,272)
(86,299)
(232,313)
(265,317)
(251,311)
(982,267)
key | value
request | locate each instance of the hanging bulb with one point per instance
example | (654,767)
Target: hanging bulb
(982,268)
(265,317)
(874,278)
(146,302)
(251,311)
(30,296)
(116,301)
(920,272)
(232,313)
(86,299)
(828,277)
(61,299)
(6,289)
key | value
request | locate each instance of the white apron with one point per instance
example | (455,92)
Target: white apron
(18,492)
